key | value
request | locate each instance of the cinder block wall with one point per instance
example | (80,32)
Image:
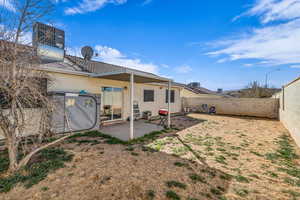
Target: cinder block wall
(236,106)
(289,112)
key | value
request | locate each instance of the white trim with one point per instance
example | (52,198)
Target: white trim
(63,71)
(129,72)
(123,100)
(108,73)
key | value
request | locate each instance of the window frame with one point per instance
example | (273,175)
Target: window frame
(151,99)
(172,96)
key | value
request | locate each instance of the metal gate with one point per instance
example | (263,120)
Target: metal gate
(75,112)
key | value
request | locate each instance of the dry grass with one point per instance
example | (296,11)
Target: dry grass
(218,158)
(258,154)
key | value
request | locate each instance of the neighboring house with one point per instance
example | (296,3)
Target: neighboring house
(188,91)
(77,75)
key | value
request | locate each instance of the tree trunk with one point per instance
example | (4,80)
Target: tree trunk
(13,154)
(27,158)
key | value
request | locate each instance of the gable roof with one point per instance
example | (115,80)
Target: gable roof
(114,72)
(199,90)
(100,67)
(77,65)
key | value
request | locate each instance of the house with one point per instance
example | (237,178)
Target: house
(188,91)
(113,83)
(120,93)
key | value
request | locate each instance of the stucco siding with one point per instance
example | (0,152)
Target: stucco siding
(289,112)
(76,83)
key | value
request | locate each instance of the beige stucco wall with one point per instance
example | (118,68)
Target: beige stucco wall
(289,112)
(186,93)
(76,83)
(237,106)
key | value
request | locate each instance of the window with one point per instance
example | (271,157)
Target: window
(148,95)
(172,96)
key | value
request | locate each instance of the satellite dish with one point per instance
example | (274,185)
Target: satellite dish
(87,52)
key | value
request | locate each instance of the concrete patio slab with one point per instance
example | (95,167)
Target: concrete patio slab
(121,131)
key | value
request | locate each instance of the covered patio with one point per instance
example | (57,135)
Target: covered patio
(134,129)
(122,130)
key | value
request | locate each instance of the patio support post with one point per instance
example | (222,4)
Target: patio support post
(131,105)
(169,104)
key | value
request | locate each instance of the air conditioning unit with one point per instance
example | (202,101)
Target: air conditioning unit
(49,41)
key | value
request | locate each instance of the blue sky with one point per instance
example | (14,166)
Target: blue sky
(221,44)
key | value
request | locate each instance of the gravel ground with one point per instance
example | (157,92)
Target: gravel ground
(218,158)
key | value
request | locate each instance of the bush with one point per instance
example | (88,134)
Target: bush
(172,195)
(176,184)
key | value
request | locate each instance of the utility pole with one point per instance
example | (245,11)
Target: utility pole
(268,74)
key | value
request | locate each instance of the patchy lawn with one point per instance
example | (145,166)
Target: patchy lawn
(216,158)
(258,154)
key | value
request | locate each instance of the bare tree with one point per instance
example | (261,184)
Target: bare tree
(23,98)
(256,90)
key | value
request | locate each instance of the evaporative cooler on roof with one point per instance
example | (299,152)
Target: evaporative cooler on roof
(49,41)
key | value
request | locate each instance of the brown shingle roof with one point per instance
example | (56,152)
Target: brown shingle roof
(99,67)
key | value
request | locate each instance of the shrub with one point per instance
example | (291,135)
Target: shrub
(177,184)
(197,178)
(241,179)
(172,195)
(150,194)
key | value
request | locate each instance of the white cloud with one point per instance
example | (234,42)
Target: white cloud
(9,35)
(8,5)
(295,66)
(271,10)
(222,60)
(184,69)
(146,2)
(26,38)
(90,6)
(74,51)
(273,44)
(114,56)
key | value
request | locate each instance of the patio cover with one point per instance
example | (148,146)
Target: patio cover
(139,76)
(135,76)
(112,72)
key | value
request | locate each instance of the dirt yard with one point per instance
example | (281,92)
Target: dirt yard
(217,158)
